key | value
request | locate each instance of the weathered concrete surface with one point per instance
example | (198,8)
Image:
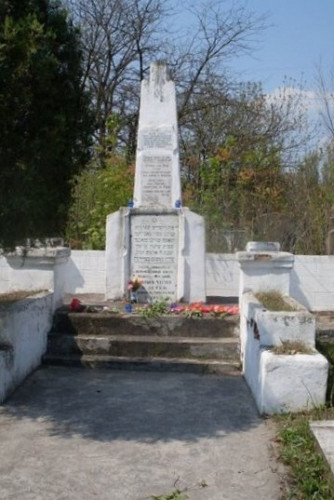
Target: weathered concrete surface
(78,434)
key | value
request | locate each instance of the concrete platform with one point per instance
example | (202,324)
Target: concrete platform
(69,433)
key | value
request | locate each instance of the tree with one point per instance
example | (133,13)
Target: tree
(236,154)
(44,118)
(325,94)
(96,194)
(118,40)
(122,38)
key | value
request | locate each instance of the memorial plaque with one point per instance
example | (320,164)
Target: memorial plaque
(157,180)
(160,139)
(154,253)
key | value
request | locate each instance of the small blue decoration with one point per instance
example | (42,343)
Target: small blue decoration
(130,204)
(128,308)
(178,204)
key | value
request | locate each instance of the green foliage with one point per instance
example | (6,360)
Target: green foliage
(44,119)
(236,187)
(309,473)
(97,193)
(155,309)
(194,313)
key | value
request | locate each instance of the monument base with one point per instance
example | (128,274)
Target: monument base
(165,248)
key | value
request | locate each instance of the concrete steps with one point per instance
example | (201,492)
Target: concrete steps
(208,366)
(166,343)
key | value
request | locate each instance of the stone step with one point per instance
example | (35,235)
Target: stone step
(144,346)
(207,366)
(133,324)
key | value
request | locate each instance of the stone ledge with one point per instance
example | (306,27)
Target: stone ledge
(323,431)
(264,258)
(45,256)
(291,382)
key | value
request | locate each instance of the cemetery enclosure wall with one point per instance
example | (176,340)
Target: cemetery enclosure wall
(23,339)
(86,272)
(312,281)
(312,278)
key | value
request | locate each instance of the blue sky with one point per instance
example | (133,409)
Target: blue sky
(300,34)
(298,37)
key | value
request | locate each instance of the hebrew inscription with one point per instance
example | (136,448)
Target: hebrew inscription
(154,253)
(160,139)
(157,180)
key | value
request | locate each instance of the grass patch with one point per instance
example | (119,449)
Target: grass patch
(291,347)
(274,301)
(8,298)
(309,476)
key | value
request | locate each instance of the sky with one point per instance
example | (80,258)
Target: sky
(300,34)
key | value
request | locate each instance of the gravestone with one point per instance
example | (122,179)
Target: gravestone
(156,238)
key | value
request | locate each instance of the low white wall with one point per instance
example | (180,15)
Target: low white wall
(24,326)
(280,383)
(15,276)
(37,269)
(312,281)
(222,275)
(312,277)
(85,272)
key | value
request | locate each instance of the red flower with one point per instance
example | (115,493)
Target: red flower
(76,305)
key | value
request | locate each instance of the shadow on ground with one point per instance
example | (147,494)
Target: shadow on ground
(141,407)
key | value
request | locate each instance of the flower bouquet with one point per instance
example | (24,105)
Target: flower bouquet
(133,285)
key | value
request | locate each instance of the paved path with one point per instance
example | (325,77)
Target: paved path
(80,434)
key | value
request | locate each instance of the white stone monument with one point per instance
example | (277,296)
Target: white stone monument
(156,239)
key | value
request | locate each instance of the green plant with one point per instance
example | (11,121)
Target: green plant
(194,313)
(274,301)
(97,193)
(155,309)
(308,471)
(113,310)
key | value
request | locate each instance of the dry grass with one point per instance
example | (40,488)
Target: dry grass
(290,347)
(274,301)
(8,298)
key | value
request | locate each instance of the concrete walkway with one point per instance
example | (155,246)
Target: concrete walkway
(78,434)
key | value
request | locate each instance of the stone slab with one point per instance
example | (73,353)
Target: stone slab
(155,252)
(74,434)
(323,431)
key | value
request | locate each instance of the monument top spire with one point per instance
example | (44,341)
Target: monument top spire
(157,179)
